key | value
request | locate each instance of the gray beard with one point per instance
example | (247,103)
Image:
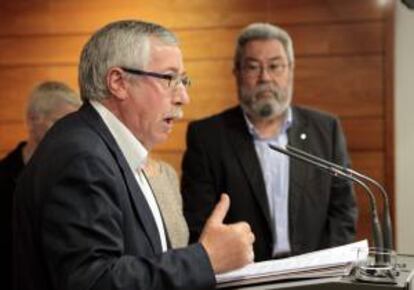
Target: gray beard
(267,107)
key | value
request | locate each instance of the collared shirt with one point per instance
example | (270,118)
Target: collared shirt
(136,156)
(275,168)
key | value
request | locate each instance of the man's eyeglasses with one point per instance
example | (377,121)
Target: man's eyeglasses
(274,69)
(173,80)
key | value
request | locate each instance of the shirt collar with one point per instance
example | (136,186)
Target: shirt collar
(133,150)
(287,122)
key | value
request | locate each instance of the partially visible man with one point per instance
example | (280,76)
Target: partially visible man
(291,207)
(48,102)
(87,219)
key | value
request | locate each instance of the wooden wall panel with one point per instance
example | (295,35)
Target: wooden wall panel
(22,17)
(336,39)
(369,162)
(343,51)
(355,91)
(17,82)
(364,134)
(347,86)
(41,50)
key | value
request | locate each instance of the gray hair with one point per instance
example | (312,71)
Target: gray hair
(121,43)
(47,96)
(262,31)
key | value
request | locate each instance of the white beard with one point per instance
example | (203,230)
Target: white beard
(265,101)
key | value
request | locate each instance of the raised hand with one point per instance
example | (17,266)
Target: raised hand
(229,246)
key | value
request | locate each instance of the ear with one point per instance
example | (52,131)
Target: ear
(237,76)
(116,83)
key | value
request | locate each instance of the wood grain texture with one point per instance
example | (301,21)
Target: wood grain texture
(20,80)
(22,17)
(309,40)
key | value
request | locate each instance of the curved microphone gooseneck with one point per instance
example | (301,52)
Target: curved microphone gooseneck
(386,218)
(376,227)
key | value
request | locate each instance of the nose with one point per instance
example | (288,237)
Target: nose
(181,96)
(264,75)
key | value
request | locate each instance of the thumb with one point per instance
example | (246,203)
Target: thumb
(220,210)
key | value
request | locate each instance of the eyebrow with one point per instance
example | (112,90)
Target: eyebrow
(275,58)
(175,71)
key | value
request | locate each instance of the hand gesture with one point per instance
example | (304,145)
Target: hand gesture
(228,246)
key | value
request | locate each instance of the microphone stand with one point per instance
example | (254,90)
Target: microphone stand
(380,272)
(376,227)
(386,218)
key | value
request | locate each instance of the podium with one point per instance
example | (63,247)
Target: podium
(405,281)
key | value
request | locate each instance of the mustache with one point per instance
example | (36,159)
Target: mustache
(176,113)
(262,88)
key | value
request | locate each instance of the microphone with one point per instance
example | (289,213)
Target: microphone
(337,171)
(386,216)
(382,270)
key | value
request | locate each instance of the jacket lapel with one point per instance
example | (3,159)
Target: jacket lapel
(298,137)
(137,198)
(244,149)
(298,172)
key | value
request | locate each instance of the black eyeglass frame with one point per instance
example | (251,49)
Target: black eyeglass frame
(184,80)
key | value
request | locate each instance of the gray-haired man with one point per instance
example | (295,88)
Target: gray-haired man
(88,218)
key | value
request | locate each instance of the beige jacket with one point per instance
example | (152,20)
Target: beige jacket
(165,184)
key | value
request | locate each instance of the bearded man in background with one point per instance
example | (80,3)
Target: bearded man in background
(292,208)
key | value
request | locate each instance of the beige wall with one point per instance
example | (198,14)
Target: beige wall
(404,125)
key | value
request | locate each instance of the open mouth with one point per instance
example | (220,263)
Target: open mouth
(169,120)
(171,117)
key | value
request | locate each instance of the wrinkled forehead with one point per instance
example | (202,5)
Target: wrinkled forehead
(263,50)
(165,56)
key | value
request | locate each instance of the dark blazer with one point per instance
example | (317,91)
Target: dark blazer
(82,222)
(221,157)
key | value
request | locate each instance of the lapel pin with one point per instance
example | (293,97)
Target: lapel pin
(303,136)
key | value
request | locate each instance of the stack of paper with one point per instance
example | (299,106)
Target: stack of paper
(336,261)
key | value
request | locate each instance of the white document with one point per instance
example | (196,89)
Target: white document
(323,263)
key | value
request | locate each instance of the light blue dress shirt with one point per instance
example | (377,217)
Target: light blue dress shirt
(275,168)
